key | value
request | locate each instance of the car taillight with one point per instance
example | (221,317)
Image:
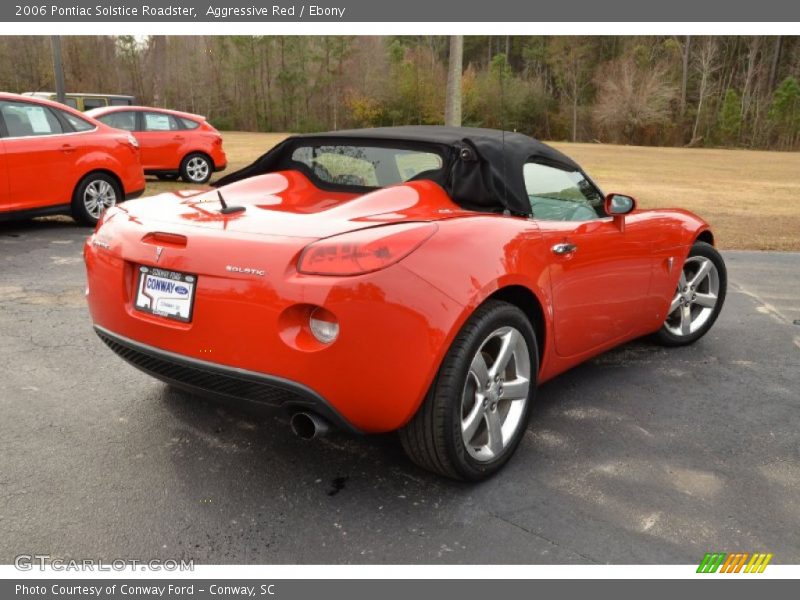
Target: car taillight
(363,251)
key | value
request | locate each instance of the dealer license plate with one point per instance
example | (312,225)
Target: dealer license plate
(165,293)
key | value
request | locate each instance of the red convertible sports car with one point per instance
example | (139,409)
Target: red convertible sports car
(420,279)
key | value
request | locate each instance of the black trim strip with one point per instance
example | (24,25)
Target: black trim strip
(161,171)
(215,380)
(177,172)
(29,213)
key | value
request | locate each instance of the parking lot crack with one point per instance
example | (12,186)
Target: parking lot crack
(544,538)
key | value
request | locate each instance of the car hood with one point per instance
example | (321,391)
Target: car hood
(288,204)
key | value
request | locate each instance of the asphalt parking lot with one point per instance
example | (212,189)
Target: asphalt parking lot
(643,455)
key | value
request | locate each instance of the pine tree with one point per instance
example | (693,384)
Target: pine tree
(785,112)
(730,117)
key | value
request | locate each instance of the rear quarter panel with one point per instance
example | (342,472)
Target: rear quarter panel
(203,141)
(471,258)
(107,151)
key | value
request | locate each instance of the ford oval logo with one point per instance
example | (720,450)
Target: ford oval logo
(181,290)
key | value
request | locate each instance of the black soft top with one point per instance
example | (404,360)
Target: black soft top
(483,168)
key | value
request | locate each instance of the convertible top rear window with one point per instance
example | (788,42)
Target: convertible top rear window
(481,169)
(365,166)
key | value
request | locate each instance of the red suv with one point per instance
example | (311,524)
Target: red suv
(173,143)
(55,160)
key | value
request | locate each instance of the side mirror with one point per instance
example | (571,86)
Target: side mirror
(619,204)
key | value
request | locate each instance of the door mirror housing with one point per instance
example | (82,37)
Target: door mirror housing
(619,204)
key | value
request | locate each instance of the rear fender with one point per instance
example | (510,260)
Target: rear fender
(508,256)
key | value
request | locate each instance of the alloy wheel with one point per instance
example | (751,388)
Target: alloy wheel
(495,394)
(98,196)
(696,297)
(197,168)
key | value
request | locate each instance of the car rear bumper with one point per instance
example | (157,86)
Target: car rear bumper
(220,381)
(393,325)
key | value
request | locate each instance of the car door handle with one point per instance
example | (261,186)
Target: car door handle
(179,137)
(564,248)
(66,148)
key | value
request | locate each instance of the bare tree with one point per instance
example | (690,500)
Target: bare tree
(571,62)
(452,110)
(753,48)
(543,85)
(685,51)
(632,100)
(159,65)
(706,66)
(776,58)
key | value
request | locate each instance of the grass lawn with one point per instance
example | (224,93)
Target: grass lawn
(751,198)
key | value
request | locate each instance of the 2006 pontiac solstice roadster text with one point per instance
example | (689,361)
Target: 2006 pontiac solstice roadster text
(37,9)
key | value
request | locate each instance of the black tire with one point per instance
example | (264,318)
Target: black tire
(433,438)
(167,176)
(83,211)
(190,174)
(667,336)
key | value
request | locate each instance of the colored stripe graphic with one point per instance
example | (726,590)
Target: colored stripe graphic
(741,562)
(765,563)
(727,562)
(734,563)
(711,562)
(758,563)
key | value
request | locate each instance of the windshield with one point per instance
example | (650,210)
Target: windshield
(365,166)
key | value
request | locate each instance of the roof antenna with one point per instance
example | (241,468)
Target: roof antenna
(228,210)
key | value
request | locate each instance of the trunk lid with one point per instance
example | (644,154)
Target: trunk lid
(287,204)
